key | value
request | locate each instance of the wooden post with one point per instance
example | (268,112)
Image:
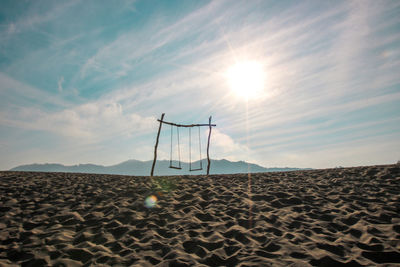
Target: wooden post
(155,148)
(208,146)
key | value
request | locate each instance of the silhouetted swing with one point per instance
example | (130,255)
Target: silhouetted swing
(190,152)
(179,167)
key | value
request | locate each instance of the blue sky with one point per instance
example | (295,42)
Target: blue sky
(85,81)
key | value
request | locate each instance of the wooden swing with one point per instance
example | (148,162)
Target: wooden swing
(179,167)
(190,152)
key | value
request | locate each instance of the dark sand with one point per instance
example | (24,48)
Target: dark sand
(332,217)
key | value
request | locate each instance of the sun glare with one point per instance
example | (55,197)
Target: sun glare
(246,79)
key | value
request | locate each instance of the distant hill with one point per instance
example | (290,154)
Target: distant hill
(142,168)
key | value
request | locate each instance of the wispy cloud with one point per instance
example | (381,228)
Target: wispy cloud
(37,17)
(16,93)
(60,84)
(90,122)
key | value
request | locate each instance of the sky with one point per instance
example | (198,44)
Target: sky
(86,81)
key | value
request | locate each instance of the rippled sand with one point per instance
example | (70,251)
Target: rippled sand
(326,217)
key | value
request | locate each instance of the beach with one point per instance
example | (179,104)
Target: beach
(323,217)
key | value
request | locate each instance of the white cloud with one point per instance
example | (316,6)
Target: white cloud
(60,83)
(11,28)
(224,147)
(91,122)
(118,57)
(32,19)
(21,92)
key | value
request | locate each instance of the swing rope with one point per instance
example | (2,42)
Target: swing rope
(179,150)
(190,152)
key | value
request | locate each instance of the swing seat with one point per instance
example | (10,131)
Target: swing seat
(173,167)
(192,170)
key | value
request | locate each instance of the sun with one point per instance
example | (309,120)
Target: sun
(246,79)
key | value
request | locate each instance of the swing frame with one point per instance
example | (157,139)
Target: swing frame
(209,125)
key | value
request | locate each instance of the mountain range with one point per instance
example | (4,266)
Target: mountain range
(142,168)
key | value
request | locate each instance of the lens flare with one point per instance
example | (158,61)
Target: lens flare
(150,201)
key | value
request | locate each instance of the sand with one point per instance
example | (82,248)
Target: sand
(332,217)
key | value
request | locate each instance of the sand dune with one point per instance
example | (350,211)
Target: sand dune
(333,217)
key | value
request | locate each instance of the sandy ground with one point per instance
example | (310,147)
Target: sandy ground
(333,217)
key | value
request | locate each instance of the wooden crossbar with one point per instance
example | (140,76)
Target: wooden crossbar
(186,125)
